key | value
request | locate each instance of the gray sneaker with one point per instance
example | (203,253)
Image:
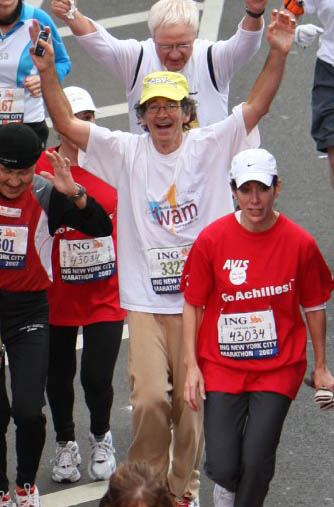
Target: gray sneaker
(102,461)
(66,462)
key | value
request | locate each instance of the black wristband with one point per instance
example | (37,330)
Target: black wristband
(254,14)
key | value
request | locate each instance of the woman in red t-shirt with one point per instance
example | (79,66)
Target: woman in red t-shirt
(244,281)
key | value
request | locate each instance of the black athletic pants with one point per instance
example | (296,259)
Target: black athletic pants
(101,343)
(242,432)
(24,331)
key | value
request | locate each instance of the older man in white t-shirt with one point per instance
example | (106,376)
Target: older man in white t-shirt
(208,66)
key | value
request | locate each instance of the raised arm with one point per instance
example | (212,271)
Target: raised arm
(280,35)
(58,106)
(78,23)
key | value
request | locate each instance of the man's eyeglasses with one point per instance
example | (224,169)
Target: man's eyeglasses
(169,47)
(155,108)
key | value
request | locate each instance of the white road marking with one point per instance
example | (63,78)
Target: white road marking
(75,496)
(105,112)
(36,3)
(212,13)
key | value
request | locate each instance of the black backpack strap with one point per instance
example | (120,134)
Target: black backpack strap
(138,66)
(210,65)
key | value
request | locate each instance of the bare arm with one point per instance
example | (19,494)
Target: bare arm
(316,322)
(58,106)
(250,23)
(280,35)
(194,382)
(79,25)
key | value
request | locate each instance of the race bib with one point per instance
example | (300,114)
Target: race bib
(87,260)
(166,267)
(13,246)
(249,335)
(11,105)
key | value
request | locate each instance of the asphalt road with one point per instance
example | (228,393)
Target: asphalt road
(305,459)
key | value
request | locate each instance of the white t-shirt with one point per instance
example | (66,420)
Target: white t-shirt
(164,201)
(120,57)
(324,9)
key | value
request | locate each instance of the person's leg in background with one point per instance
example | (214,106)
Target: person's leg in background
(330,150)
(322,129)
(60,391)
(101,344)
(25,333)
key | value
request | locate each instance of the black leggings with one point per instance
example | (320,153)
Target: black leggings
(101,343)
(24,331)
(242,432)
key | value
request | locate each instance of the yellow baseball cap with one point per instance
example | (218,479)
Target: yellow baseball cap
(171,85)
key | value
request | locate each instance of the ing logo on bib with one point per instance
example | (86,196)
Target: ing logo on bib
(237,268)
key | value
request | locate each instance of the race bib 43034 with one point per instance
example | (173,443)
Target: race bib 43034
(250,335)
(85,260)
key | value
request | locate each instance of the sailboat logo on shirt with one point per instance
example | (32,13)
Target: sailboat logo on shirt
(237,268)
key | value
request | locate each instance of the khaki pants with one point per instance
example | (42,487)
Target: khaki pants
(157,374)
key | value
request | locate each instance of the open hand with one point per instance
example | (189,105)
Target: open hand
(281,31)
(62,178)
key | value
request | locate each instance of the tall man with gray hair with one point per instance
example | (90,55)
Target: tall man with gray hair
(170,185)
(173,46)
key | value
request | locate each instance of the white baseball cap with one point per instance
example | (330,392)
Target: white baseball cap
(253,165)
(79,99)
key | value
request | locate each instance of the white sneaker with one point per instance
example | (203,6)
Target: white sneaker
(66,463)
(5,500)
(102,461)
(27,497)
(222,497)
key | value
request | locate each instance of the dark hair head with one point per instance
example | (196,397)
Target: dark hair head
(274,183)
(188,106)
(20,146)
(136,485)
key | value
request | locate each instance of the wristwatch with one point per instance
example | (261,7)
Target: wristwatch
(81,191)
